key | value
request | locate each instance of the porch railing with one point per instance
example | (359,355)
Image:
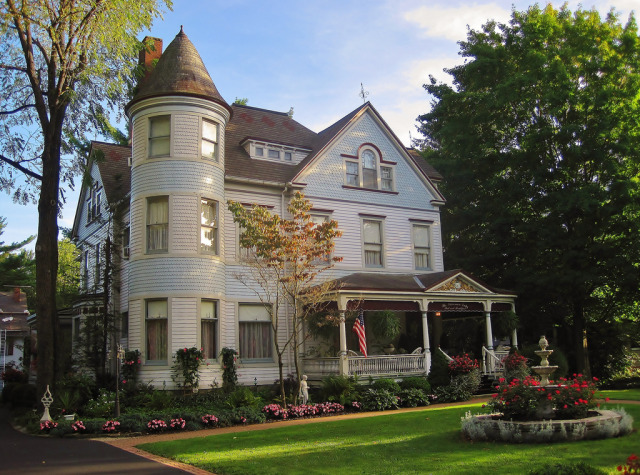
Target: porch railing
(492,361)
(377,365)
(383,365)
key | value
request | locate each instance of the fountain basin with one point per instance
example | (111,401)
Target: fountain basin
(599,424)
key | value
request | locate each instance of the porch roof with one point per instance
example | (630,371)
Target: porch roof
(433,281)
(448,291)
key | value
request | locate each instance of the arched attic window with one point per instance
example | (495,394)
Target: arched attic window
(368,170)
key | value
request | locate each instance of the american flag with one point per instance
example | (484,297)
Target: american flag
(358,327)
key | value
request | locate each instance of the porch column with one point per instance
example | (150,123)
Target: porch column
(514,338)
(426,346)
(344,362)
(487,319)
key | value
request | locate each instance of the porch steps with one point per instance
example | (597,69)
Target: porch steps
(488,384)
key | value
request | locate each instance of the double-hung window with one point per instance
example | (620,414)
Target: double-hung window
(421,246)
(160,136)
(254,325)
(209,226)
(373,245)
(157,318)
(319,219)
(353,173)
(96,277)
(158,224)
(386,178)
(369,170)
(85,270)
(209,139)
(209,328)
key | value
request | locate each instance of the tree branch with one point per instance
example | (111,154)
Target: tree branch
(17,110)
(24,170)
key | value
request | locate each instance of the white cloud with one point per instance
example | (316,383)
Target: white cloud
(451,23)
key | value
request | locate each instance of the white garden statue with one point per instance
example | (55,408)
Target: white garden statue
(304,389)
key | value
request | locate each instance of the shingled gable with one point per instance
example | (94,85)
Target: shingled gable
(113,163)
(331,133)
(181,72)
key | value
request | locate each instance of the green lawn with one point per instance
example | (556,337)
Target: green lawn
(426,441)
(622,394)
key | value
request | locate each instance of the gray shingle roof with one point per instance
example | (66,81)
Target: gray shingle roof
(179,71)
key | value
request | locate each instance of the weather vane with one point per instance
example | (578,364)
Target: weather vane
(363,93)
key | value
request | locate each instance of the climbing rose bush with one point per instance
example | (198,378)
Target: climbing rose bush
(462,364)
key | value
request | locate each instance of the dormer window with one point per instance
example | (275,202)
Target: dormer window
(260,149)
(368,170)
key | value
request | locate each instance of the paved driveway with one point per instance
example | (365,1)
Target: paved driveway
(24,454)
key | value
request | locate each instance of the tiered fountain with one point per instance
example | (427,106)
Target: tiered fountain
(546,427)
(544,370)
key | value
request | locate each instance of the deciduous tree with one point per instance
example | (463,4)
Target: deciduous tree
(62,64)
(539,142)
(286,256)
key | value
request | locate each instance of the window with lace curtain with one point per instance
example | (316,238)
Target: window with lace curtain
(421,246)
(209,328)
(372,241)
(255,332)
(158,224)
(156,323)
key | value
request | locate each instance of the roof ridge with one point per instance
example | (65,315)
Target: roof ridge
(260,109)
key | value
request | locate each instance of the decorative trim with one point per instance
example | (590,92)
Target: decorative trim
(375,216)
(424,221)
(346,155)
(373,146)
(349,187)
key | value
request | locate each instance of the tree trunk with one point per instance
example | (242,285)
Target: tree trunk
(47,256)
(580,340)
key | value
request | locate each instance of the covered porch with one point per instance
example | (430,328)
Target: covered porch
(423,304)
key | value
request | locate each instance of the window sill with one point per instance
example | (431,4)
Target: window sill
(349,187)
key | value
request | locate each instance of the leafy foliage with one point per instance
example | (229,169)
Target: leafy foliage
(539,144)
(187,366)
(286,256)
(229,372)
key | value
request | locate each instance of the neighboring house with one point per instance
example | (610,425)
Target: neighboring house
(180,268)
(13,327)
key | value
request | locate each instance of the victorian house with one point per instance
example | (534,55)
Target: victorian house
(163,201)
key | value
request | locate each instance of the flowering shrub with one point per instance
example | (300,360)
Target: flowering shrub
(517,399)
(111,426)
(78,426)
(573,398)
(210,420)
(13,375)
(462,365)
(130,366)
(187,366)
(632,465)
(275,411)
(156,425)
(229,375)
(177,424)
(515,366)
(356,406)
(46,426)
(520,400)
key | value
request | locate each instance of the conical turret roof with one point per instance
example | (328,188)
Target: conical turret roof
(180,71)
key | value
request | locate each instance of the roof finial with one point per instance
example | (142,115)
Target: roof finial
(363,93)
(181,31)
(290,114)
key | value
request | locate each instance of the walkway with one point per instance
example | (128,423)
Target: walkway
(26,454)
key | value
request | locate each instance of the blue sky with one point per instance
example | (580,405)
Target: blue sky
(313,55)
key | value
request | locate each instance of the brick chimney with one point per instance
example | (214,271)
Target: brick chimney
(16,294)
(149,55)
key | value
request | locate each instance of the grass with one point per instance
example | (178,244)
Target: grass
(425,441)
(622,394)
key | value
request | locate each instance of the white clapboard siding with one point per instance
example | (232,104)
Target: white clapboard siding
(184,318)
